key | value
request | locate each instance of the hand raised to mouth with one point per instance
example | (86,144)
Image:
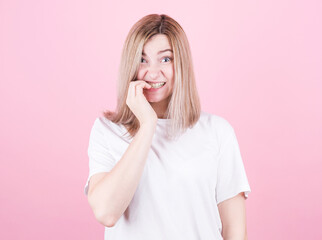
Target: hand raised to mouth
(155,84)
(138,103)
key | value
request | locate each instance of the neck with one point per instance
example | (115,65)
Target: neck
(160,108)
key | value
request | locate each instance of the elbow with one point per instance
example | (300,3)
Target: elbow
(101,213)
(102,216)
(107,221)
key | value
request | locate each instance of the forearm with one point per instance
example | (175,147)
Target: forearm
(114,192)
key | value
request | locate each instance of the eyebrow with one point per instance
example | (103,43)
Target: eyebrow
(165,50)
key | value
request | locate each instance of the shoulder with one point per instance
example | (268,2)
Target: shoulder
(100,123)
(104,126)
(218,123)
(220,128)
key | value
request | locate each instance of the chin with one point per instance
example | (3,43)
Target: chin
(154,100)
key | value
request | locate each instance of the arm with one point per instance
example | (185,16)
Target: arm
(110,193)
(233,216)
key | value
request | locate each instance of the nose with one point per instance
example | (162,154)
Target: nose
(154,72)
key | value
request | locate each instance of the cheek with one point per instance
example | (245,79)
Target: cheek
(169,73)
(141,73)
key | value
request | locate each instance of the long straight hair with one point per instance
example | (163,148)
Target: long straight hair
(184,105)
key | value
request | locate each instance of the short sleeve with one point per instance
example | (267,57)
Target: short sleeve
(231,174)
(100,158)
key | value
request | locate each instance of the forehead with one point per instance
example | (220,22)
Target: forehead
(157,45)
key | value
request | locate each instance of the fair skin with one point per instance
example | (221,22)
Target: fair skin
(233,216)
(157,66)
(147,106)
(110,193)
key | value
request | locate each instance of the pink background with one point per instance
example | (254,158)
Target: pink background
(257,64)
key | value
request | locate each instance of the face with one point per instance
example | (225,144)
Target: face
(157,67)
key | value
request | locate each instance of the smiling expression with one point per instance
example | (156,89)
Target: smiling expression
(157,66)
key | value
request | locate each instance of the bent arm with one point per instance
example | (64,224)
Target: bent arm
(233,216)
(110,193)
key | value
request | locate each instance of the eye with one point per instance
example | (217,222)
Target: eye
(142,59)
(168,59)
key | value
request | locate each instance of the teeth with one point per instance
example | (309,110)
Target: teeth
(157,85)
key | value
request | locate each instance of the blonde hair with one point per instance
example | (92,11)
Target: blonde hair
(184,105)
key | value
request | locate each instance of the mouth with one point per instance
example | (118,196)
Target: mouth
(156,85)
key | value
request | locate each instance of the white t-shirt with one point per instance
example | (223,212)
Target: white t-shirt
(182,182)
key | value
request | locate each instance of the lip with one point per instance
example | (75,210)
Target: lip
(155,82)
(155,89)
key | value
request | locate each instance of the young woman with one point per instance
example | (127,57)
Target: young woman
(159,167)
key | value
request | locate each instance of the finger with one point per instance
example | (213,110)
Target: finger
(133,83)
(139,88)
(131,91)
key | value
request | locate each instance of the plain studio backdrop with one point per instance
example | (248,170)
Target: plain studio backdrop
(257,64)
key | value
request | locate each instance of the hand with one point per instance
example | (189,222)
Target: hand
(138,103)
